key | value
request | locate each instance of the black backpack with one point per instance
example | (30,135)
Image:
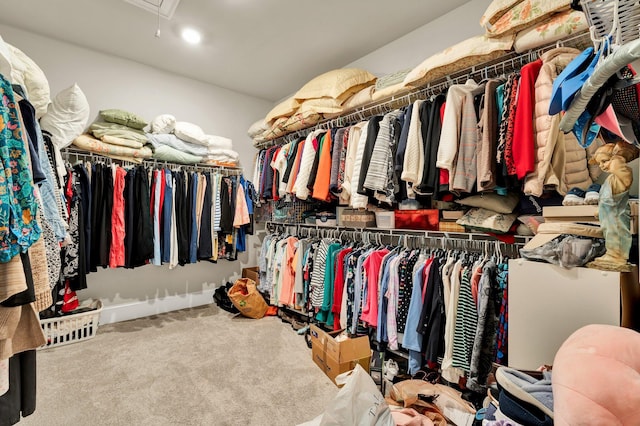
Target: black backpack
(222,299)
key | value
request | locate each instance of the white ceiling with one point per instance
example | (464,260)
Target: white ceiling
(264,48)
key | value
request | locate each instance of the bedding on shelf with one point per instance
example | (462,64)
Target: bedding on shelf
(337,84)
(559,26)
(164,123)
(114,140)
(284,109)
(123,117)
(389,91)
(391,79)
(66,116)
(175,142)
(101,128)
(25,72)
(356,100)
(88,143)
(172,155)
(525,14)
(258,128)
(465,54)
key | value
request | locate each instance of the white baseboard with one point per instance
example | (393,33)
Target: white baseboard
(128,311)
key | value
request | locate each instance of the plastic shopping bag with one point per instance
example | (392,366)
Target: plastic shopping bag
(358,403)
(245,296)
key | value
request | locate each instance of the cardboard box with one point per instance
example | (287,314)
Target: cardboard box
(335,357)
(450,226)
(548,303)
(451,214)
(252,273)
(585,213)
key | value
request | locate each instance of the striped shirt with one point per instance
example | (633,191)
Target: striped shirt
(466,323)
(317,279)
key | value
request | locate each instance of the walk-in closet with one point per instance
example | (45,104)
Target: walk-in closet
(336,213)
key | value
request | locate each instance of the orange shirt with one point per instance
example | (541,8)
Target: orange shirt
(323,177)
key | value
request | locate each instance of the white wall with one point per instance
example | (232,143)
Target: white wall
(112,82)
(433,37)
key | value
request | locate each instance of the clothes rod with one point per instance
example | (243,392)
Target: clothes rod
(411,233)
(94,157)
(490,69)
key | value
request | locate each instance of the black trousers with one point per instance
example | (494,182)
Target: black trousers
(20,399)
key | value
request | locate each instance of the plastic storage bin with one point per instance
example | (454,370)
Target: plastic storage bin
(425,219)
(73,328)
(386,220)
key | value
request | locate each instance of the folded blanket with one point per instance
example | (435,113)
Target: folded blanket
(166,153)
(229,153)
(218,142)
(90,144)
(175,142)
(114,140)
(101,128)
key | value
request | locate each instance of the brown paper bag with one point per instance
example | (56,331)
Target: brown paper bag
(245,296)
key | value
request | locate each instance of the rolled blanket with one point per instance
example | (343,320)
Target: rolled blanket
(90,144)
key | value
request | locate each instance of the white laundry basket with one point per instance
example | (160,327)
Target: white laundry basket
(603,15)
(71,328)
(385,219)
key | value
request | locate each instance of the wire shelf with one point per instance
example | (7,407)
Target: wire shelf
(503,65)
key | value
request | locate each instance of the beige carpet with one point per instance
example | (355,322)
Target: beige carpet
(199,366)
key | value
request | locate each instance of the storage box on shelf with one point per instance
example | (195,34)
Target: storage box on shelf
(385,219)
(355,218)
(425,219)
(585,213)
(71,328)
(548,303)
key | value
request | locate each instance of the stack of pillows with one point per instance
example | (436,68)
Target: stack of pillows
(186,143)
(489,212)
(325,96)
(121,135)
(118,136)
(519,25)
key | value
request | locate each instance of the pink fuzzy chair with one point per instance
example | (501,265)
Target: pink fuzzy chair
(596,378)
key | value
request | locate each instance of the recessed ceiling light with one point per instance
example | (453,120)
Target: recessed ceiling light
(191,36)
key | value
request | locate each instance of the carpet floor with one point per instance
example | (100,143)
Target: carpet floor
(199,366)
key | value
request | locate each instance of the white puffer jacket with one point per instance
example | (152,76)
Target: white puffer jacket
(561,163)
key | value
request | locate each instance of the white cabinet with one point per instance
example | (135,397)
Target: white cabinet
(548,303)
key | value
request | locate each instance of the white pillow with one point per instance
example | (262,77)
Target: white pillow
(218,142)
(29,75)
(5,60)
(164,123)
(257,128)
(67,116)
(190,132)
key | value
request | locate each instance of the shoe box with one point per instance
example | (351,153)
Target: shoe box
(584,213)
